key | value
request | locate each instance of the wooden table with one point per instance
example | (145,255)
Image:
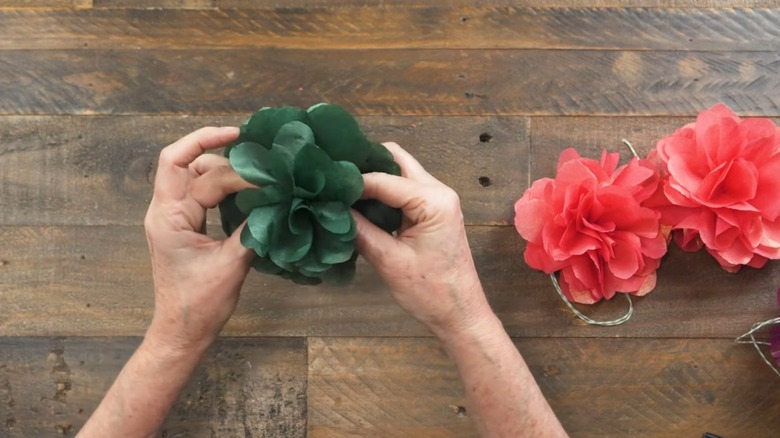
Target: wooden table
(486,93)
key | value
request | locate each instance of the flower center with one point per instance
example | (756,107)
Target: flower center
(730,183)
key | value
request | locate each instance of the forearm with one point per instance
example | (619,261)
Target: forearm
(143,393)
(502,395)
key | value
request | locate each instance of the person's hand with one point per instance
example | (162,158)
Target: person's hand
(428,264)
(196,279)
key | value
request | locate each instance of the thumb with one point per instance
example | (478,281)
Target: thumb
(233,248)
(372,242)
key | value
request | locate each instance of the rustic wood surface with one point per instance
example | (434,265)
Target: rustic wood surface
(95,280)
(245,387)
(361,387)
(486,93)
(386,27)
(98,170)
(382,82)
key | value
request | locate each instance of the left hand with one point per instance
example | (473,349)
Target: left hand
(196,279)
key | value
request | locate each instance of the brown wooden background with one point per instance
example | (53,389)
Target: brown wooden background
(485,93)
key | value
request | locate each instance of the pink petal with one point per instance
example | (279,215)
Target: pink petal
(648,285)
(732,182)
(530,217)
(537,258)
(767,197)
(627,259)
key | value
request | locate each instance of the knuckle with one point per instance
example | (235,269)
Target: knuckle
(149,224)
(449,203)
(166,157)
(450,199)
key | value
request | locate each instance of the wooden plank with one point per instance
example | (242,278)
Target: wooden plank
(597,387)
(389,27)
(398,82)
(590,135)
(154,4)
(274,4)
(96,281)
(270,4)
(99,170)
(384,387)
(246,387)
(30,4)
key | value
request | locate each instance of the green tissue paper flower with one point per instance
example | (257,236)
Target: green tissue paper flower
(308,165)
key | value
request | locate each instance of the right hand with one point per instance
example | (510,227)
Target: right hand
(428,264)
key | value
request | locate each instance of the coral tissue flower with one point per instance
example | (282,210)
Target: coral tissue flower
(721,187)
(590,224)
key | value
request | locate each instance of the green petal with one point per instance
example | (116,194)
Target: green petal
(310,266)
(343,182)
(386,218)
(263,223)
(261,166)
(289,247)
(380,160)
(300,218)
(311,170)
(331,250)
(250,242)
(248,199)
(337,132)
(294,136)
(230,214)
(342,273)
(309,184)
(266,266)
(333,216)
(350,235)
(263,126)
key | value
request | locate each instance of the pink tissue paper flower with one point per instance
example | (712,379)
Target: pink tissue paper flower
(721,187)
(590,224)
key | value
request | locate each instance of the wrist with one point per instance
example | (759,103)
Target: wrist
(168,342)
(472,317)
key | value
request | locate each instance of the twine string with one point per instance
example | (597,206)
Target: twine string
(756,343)
(630,147)
(588,320)
(579,314)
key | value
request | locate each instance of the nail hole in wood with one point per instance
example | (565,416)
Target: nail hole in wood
(485,181)
(458,410)
(485,137)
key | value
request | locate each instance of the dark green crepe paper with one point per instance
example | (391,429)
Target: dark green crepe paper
(308,164)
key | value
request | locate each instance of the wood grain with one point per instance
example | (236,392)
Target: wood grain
(274,4)
(597,387)
(398,82)
(96,281)
(245,387)
(398,387)
(270,4)
(590,135)
(40,4)
(389,27)
(154,4)
(99,170)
